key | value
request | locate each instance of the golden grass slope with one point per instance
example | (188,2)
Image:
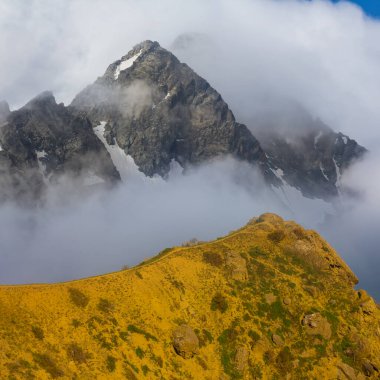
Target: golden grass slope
(268,301)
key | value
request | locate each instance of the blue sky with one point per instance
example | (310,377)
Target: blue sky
(370,7)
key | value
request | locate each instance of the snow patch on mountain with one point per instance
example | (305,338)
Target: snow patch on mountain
(279,173)
(338,174)
(123,162)
(124,65)
(323,171)
(41,155)
(317,137)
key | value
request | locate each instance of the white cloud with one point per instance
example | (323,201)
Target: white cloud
(102,232)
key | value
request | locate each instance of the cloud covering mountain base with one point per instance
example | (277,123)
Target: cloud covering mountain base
(76,235)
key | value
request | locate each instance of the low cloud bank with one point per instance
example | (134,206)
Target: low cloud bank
(87,235)
(354,230)
(123,226)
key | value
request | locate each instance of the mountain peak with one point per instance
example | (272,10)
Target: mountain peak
(146,45)
(159,110)
(119,68)
(44,98)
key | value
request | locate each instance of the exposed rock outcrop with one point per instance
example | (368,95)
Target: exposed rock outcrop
(345,372)
(316,324)
(287,301)
(277,340)
(185,341)
(237,266)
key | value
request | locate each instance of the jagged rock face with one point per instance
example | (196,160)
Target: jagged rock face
(44,140)
(314,162)
(19,179)
(308,155)
(159,110)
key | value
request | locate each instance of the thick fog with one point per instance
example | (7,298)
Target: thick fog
(76,235)
(256,54)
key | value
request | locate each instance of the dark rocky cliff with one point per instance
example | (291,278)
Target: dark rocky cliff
(44,140)
(159,110)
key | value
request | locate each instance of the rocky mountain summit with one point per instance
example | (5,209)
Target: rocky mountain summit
(149,110)
(158,110)
(184,119)
(270,300)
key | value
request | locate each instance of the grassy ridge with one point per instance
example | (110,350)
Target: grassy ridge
(245,295)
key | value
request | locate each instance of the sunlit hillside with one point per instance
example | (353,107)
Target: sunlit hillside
(268,301)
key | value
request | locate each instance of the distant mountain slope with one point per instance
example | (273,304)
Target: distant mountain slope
(305,152)
(269,301)
(44,140)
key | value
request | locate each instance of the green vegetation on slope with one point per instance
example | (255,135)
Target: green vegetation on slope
(269,301)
